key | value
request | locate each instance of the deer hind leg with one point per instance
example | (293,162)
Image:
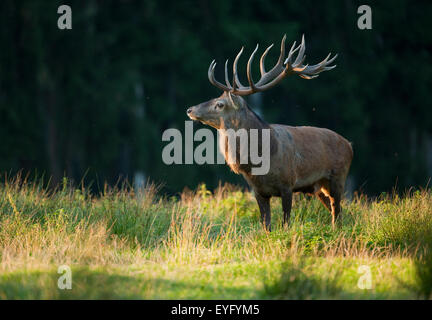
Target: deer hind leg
(336,191)
(324,199)
(330,195)
(322,191)
(264,206)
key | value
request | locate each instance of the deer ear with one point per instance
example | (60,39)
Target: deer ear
(233,100)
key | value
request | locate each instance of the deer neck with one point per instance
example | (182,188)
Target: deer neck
(244,119)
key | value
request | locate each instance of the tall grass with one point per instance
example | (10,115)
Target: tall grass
(208,245)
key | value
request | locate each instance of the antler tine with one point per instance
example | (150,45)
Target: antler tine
(332,59)
(291,52)
(226,75)
(282,54)
(275,71)
(262,60)
(212,79)
(320,67)
(249,72)
(307,77)
(317,67)
(308,72)
(279,64)
(236,82)
(300,57)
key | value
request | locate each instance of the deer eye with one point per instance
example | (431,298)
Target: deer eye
(219,105)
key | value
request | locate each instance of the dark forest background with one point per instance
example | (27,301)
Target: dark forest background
(92,102)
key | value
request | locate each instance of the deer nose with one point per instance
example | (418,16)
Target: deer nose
(189,110)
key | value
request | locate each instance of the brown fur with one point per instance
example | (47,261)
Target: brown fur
(302,159)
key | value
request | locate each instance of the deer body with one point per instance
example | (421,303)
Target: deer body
(302,159)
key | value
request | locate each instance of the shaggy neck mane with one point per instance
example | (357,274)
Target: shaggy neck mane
(245,119)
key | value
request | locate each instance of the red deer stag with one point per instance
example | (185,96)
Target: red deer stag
(302,159)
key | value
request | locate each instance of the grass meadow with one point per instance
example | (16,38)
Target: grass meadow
(209,245)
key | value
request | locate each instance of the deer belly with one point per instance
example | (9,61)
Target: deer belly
(265,185)
(311,181)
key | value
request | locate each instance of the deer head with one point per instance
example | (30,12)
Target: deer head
(230,107)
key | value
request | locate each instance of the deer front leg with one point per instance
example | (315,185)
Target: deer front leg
(264,206)
(286,204)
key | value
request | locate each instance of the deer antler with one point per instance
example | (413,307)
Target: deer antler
(269,79)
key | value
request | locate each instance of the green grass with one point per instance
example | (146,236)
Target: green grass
(203,245)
